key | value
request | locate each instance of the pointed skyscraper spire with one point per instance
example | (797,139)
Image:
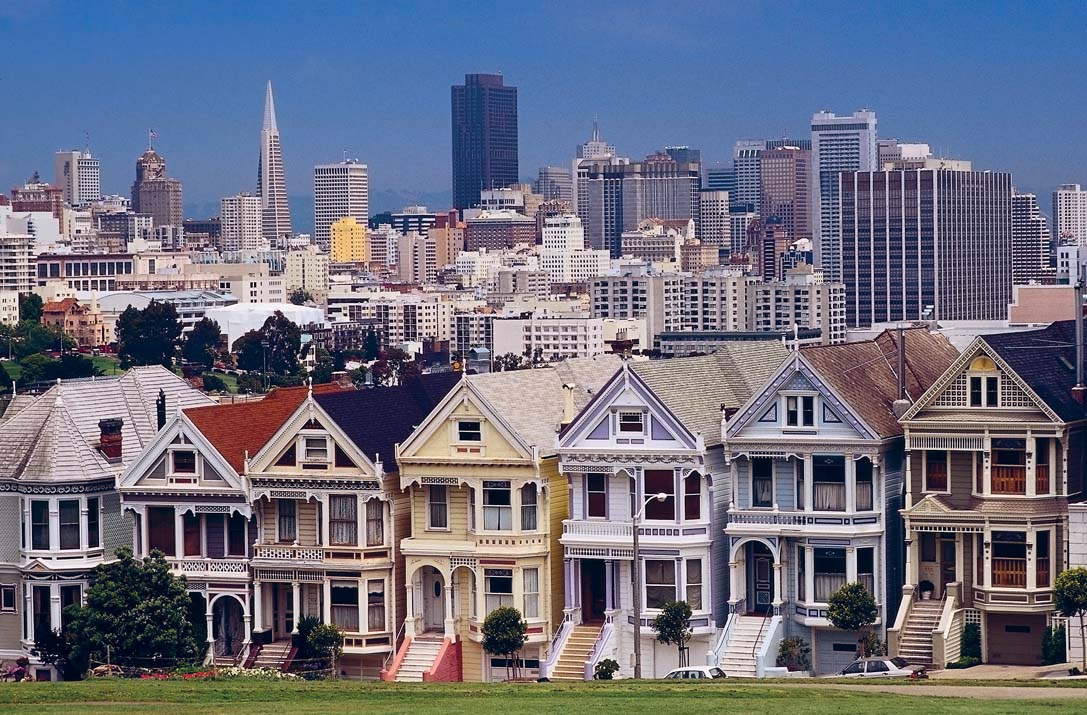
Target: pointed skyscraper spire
(596,129)
(269,110)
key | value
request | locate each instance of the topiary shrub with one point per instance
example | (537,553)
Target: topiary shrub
(605,669)
(794,654)
(971,641)
(1053,646)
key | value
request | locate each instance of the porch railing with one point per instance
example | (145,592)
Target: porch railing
(1008,479)
(766,657)
(217,566)
(288,552)
(713,657)
(1010,573)
(557,644)
(600,650)
(620,529)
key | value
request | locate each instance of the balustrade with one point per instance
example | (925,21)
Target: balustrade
(1008,479)
(1009,573)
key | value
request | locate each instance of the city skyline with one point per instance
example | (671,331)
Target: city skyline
(408,149)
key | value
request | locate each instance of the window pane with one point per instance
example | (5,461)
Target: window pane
(287,521)
(631,422)
(438,512)
(692,497)
(235,528)
(375,605)
(528,507)
(660,583)
(469,431)
(659,481)
(375,523)
(190,524)
(343,519)
(762,482)
(69,524)
(184,461)
(532,592)
(161,529)
(93,519)
(597,495)
(694,583)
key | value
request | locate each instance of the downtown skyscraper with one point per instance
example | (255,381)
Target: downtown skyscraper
(272,180)
(837,144)
(485,149)
(340,190)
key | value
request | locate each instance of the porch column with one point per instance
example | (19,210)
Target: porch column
(779,596)
(1032,461)
(1032,567)
(296,604)
(568,579)
(450,631)
(908,460)
(809,489)
(913,555)
(986,467)
(409,595)
(179,533)
(326,600)
(144,528)
(809,572)
(850,564)
(609,586)
(987,582)
(735,586)
(210,616)
(960,560)
(850,483)
(258,606)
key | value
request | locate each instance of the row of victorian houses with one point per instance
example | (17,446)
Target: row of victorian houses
(760,480)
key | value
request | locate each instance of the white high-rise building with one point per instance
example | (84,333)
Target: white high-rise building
(564,255)
(271,179)
(240,223)
(17,262)
(716,221)
(340,190)
(308,269)
(80,176)
(738,223)
(1031,248)
(838,143)
(1070,214)
(745,162)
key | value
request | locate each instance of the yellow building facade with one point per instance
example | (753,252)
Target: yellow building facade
(348,241)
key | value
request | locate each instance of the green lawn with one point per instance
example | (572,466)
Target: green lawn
(619,698)
(106,364)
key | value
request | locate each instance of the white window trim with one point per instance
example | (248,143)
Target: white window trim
(456,431)
(678,583)
(585,496)
(171,474)
(641,412)
(302,452)
(53,512)
(815,406)
(448,526)
(14,598)
(924,473)
(751,484)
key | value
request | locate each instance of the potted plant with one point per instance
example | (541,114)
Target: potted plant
(926,588)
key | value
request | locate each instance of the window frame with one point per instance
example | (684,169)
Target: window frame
(69,527)
(645,585)
(5,590)
(698,583)
(94,522)
(530,507)
(589,492)
(175,472)
(351,524)
(372,606)
(293,521)
(305,439)
(494,489)
(504,599)
(370,519)
(530,599)
(443,504)
(36,525)
(799,411)
(634,426)
(770,462)
(469,436)
(925,486)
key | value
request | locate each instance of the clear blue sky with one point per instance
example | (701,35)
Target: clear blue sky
(999,83)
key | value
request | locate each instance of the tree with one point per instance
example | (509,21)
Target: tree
(201,343)
(509,361)
(504,634)
(371,346)
(274,348)
(214,383)
(852,608)
(30,338)
(30,307)
(1070,597)
(325,642)
(148,336)
(300,296)
(137,611)
(673,627)
(55,648)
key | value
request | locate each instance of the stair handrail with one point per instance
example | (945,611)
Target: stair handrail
(905,607)
(597,653)
(713,657)
(558,642)
(396,639)
(762,627)
(943,627)
(769,646)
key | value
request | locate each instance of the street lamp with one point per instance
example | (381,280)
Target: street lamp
(637,576)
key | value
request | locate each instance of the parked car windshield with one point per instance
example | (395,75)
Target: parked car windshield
(900,662)
(717,673)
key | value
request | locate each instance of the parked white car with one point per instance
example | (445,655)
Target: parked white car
(696,672)
(882,667)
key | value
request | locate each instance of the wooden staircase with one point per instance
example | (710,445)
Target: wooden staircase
(915,644)
(748,634)
(420,657)
(571,663)
(276,655)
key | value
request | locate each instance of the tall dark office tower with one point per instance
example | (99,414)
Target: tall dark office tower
(484,137)
(785,189)
(925,243)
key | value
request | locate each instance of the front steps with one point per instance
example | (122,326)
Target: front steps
(744,642)
(277,656)
(571,663)
(915,643)
(420,657)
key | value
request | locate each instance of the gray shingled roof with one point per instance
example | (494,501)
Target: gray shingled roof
(55,436)
(696,388)
(532,402)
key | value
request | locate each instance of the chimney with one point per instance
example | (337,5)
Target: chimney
(111,441)
(728,412)
(160,406)
(568,403)
(902,404)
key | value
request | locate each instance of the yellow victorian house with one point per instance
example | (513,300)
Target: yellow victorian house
(487,504)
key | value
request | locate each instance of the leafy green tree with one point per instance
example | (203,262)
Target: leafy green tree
(325,642)
(1070,597)
(201,343)
(250,383)
(371,346)
(673,627)
(30,307)
(148,336)
(274,347)
(30,338)
(36,368)
(322,372)
(214,383)
(504,633)
(137,610)
(55,648)
(509,361)
(852,608)
(300,296)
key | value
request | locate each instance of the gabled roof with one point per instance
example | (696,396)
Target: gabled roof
(531,402)
(1046,361)
(243,428)
(376,419)
(55,436)
(865,374)
(696,388)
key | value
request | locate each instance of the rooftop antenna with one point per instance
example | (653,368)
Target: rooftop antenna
(345,156)
(87,142)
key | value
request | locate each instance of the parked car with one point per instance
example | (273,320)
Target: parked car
(882,667)
(696,672)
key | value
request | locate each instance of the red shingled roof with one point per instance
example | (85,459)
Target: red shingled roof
(238,429)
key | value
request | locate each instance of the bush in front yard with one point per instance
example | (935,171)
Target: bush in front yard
(1053,646)
(971,641)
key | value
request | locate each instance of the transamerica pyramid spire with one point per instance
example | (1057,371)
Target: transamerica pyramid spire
(271,179)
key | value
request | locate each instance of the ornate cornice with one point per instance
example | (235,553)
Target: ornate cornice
(101,485)
(339,485)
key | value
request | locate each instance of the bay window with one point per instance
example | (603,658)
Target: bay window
(287,520)
(694,584)
(531,585)
(801,575)
(190,527)
(236,541)
(660,481)
(375,522)
(866,571)
(375,605)
(936,471)
(497,588)
(829,572)
(762,482)
(692,497)
(1041,465)
(828,482)
(865,494)
(69,596)
(437,507)
(69,524)
(528,507)
(1041,550)
(94,520)
(497,506)
(41,610)
(1008,473)
(1009,559)
(596,496)
(343,520)
(800,496)
(161,528)
(660,582)
(345,606)
(39,525)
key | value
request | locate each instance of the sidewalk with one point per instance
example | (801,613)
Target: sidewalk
(1003,672)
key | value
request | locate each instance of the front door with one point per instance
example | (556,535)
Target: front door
(762,562)
(947,563)
(433,600)
(593,590)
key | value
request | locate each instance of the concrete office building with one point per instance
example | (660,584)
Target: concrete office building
(926,244)
(417,258)
(240,223)
(79,175)
(413,218)
(485,150)
(715,224)
(340,190)
(17,263)
(499,229)
(554,183)
(838,143)
(1070,214)
(1031,247)
(348,241)
(785,189)
(563,254)
(635,292)
(308,269)
(889,150)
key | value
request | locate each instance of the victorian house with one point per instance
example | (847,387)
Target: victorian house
(487,504)
(994,457)
(61,453)
(653,429)
(816,464)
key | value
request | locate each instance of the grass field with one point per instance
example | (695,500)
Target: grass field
(619,698)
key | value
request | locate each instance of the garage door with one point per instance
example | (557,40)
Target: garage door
(1015,639)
